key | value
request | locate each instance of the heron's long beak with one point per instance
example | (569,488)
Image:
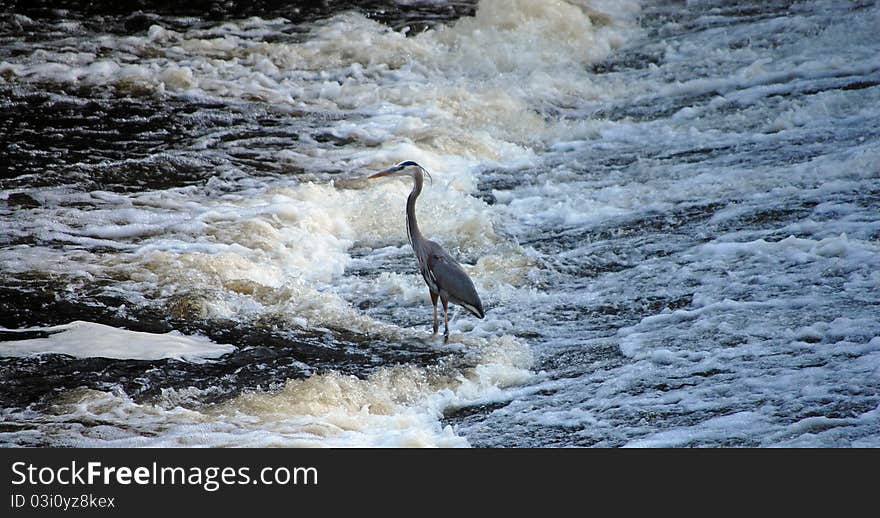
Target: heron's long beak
(384,172)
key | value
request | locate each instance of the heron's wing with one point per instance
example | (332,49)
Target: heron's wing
(449,276)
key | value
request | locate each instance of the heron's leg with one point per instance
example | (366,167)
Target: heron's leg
(434,302)
(445,319)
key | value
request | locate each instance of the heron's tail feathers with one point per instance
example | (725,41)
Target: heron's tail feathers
(476,310)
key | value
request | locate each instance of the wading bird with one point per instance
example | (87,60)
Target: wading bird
(445,278)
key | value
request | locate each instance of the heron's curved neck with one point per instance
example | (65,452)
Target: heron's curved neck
(412,226)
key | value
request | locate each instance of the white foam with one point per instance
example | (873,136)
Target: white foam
(796,250)
(739,426)
(349,61)
(90,340)
(399,406)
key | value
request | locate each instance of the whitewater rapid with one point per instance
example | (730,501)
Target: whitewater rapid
(670,213)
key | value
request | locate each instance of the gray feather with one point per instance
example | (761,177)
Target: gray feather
(451,278)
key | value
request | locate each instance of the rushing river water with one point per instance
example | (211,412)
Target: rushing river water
(670,210)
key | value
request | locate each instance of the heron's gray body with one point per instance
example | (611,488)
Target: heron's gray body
(446,279)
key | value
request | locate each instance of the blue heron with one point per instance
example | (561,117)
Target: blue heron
(445,278)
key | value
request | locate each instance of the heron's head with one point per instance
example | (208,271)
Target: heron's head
(406,168)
